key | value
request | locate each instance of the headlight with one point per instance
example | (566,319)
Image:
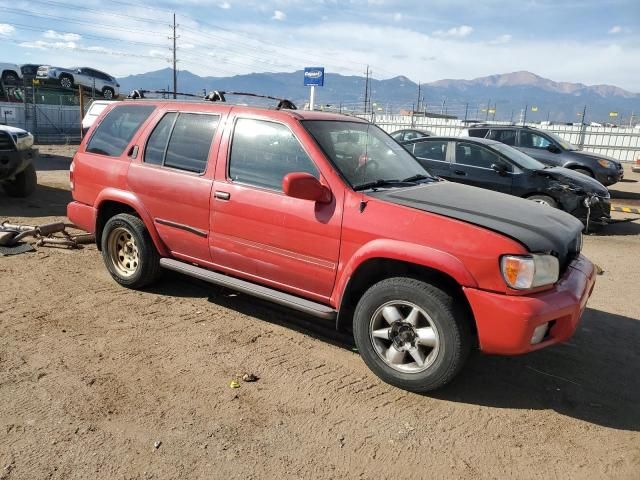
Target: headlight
(606,163)
(531,271)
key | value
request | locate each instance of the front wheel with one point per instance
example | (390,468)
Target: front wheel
(23,184)
(107,93)
(128,251)
(543,200)
(66,81)
(412,334)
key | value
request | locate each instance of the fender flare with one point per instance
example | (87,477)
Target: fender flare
(130,199)
(404,252)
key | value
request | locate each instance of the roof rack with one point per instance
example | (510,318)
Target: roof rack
(216,96)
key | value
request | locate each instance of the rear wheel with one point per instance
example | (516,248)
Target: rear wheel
(411,334)
(23,184)
(543,200)
(128,252)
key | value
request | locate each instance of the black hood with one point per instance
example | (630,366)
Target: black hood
(538,227)
(576,180)
(593,156)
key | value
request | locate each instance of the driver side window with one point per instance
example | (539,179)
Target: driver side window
(533,140)
(263,152)
(477,156)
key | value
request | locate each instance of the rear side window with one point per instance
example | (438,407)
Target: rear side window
(432,150)
(117,129)
(262,153)
(478,132)
(507,137)
(182,141)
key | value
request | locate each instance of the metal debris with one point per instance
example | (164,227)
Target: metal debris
(249,377)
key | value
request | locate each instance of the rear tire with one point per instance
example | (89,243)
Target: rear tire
(107,93)
(23,184)
(412,334)
(543,200)
(129,253)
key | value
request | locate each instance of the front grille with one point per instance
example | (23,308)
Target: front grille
(6,142)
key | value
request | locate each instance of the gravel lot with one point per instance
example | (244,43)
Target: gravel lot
(101,382)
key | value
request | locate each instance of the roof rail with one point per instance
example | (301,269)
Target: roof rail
(216,96)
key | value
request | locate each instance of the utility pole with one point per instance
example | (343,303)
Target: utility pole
(486,117)
(466,111)
(524,116)
(444,101)
(418,107)
(631,119)
(366,89)
(175,72)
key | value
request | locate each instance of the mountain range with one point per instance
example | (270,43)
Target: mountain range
(507,94)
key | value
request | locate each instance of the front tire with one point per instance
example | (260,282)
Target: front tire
(543,200)
(24,183)
(412,334)
(66,81)
(107,94)
(129,253)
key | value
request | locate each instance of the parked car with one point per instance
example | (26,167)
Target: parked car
(17,172)
(550,149)
(89,78)
(10,74)
(499,167)
(293,207)
(410,134)
(94,111)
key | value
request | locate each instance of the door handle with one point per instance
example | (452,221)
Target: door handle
(459,172)
(222,195)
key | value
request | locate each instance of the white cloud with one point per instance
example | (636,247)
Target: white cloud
(279,15)
(501,40)
(224,5)
(6,30)
(67,37)
(460,32)
(615,29)
(42,45)
(397,16)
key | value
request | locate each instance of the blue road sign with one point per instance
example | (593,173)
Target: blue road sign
(314,76)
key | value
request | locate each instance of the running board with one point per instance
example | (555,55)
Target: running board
(265,293)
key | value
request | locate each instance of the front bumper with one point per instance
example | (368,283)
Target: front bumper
(506,323)
(609,176)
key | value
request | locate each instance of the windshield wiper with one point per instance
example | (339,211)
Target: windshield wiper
(379,183)
(418,177)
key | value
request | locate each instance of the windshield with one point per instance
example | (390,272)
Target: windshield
(563,143)
(363,153)
(516,156)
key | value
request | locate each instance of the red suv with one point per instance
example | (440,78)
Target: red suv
(328,215)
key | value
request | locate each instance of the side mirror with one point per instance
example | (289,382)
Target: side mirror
(553,148)
(499,168)
(306,187)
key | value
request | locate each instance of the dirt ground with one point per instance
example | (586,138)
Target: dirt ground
(101,382)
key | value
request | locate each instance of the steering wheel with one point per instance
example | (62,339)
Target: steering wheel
(368,167)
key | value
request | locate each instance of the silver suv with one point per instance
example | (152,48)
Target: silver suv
(89,78)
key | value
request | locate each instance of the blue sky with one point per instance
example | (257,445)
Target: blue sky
(592,42)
